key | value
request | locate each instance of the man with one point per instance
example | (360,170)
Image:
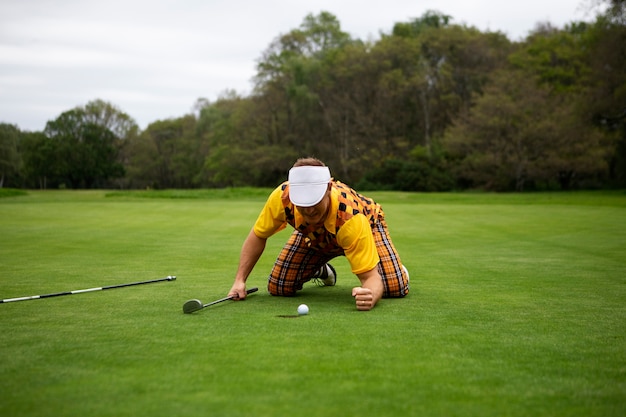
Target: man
(330,219)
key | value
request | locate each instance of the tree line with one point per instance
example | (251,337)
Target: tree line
(430,106)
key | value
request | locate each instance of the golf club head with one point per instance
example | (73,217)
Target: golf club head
(192,305)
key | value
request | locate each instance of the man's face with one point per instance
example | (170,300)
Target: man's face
(315,214)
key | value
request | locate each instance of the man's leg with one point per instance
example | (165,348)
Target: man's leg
(395,277)
(295,265)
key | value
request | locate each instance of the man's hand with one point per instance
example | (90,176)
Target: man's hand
(238,291)
(364,298)
(371,290)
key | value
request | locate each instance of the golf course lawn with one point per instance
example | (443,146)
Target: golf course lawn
(517,308)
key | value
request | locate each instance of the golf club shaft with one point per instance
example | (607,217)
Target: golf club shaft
(58,294)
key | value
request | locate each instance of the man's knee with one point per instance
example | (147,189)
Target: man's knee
(396,293)
(397,286)
(280,290)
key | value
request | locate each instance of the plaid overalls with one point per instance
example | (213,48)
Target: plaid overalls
(308,249)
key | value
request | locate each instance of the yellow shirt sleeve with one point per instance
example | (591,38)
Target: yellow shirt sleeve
(272,218)
(357,241)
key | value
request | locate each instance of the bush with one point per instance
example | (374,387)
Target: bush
(394,174)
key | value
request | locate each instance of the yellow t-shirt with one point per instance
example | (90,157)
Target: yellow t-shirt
(346,229)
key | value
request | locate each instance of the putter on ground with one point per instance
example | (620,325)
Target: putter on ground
(195,304)
(57,294)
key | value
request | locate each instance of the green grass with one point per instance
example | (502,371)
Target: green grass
(517,308)
(11,192)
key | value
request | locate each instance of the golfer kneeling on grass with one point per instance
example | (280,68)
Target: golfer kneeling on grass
(330,219)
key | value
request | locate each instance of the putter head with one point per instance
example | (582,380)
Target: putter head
(192,305)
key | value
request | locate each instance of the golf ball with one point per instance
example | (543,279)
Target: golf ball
(303,309)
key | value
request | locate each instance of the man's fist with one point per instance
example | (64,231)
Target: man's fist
(238,291)
(364,298)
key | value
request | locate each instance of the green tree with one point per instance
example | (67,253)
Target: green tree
(445,66)
(10,161)
(288,83)
(141,163)
(39,156)
(616,11)
(168,154)
(228,148)
(85,146)
(108,116)
(604,98)
(520,134)
(86,152)
(242,150)
(556,56)
(356,104)
(430,19)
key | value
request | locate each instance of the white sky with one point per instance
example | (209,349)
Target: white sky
(154,58)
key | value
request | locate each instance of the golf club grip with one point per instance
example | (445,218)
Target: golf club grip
(251,290)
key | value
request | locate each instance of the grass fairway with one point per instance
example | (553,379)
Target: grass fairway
(517,308)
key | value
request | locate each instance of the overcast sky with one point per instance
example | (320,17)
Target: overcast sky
(154,58)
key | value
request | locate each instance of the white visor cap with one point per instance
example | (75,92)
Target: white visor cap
(308,184)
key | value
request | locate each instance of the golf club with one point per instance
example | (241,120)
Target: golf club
(195,304)
(57,294)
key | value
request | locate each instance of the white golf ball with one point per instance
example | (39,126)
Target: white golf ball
(303,309)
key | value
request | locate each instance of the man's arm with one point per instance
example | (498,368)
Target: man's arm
(251,251)
(370,292)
